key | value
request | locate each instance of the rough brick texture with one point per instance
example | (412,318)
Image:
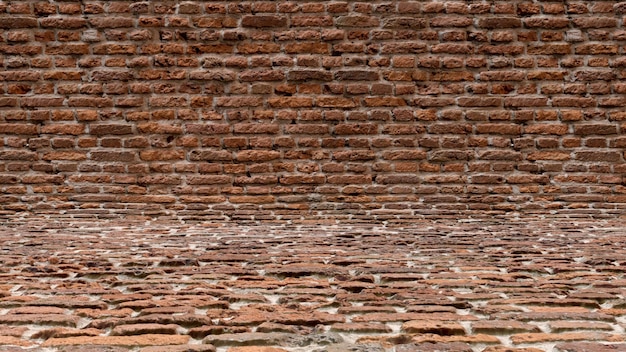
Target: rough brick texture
(272,109)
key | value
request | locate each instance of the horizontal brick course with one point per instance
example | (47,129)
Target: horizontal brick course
(318,102)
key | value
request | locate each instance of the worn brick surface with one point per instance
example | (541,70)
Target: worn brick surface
(325,109)
(519,285)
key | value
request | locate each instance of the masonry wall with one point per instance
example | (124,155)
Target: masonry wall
(289,109)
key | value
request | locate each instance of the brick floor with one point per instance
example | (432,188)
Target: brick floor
(492,286)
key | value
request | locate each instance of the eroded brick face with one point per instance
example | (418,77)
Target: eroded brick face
(271,109)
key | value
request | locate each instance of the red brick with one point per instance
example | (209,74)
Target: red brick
(142,340)
(502,76)
(306,75)
(595,22)
(404,48)
(335,102)
(595,129)
(549,155)
(90,102)
(451,21)
(599,156)
(255,128)
(111,22)
(257,155)
(549,49)
(350,129)
(153,155)
(210,155)
(251,199)
(67,49)
(524,101)
(311,48)
(57,179)
(238,102)
(14,22)
(499,22)
(307,129)
(547,22)
(261,75)
(18,128)
(505,129)
(113,129)
(161,128)
(41,102)
(547,129)
(263,21)
(357,21)
(210,48)
(252,48)
(62,22)
(404,155)
(290,102)
(112,156)
(573,102)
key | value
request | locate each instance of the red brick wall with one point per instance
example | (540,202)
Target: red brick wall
(272,109)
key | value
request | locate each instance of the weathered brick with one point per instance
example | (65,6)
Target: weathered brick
(41,102)
(357,76)
(112,129)
(595,129)
(18,129)
(208,128)
(306,75)
(238,102)
(547,22)
(603,156)
(549,49)
(90,102)
(255,128)
(497,128)
(62,22)
(112,156)
(499,22)
(349,129)
(502,76)
(67,155)
(19,76)
(67,49)
(257,155)
(549,155)
(153,155)
(311,47)
(255,48)
(142,340)
(13,22)
(71,129)
(18,155)
(357,21)
(210,155)
(263,21)
(595,22)
(404,23)
(451,21)
(384,101)
(111,22)
(290,102)
(335,102)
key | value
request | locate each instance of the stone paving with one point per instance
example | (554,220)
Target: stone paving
(492,285)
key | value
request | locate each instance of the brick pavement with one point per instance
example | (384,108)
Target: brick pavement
(492,286)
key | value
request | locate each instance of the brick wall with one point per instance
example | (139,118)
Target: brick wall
(281,109)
